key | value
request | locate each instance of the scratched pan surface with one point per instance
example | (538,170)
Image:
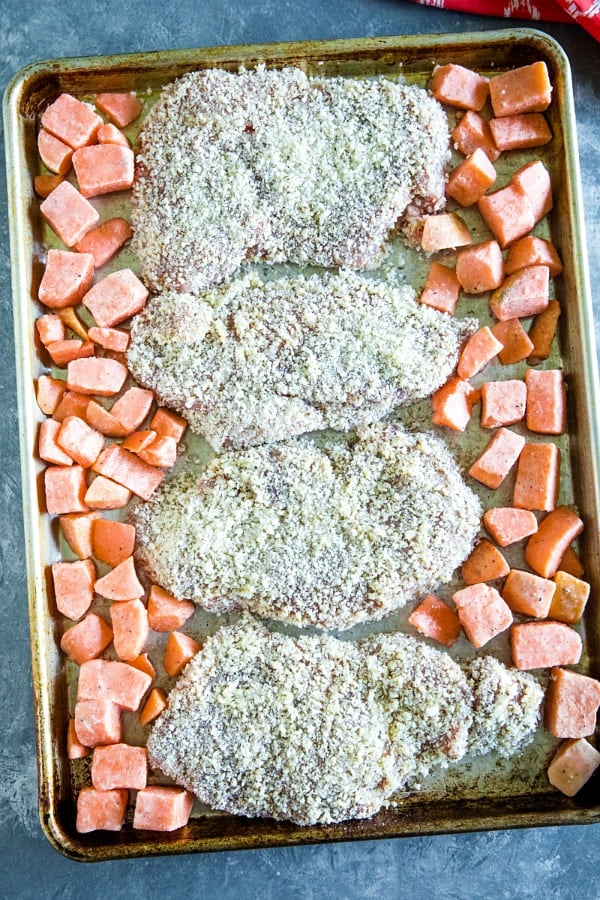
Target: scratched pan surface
(478,794)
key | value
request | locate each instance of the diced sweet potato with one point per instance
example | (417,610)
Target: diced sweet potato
(73,587)
(55,154)
(120,766)
(75,749)
(516,342)
(64,489)
(48,447)
(50,328)
(76,529)
(121,108)
(480,268)
(71,120)
(168,423)
(49,393)
(162,451)
(573,765)
(70,318)
(115,298)
(154,705)
(121,583)
(68,213)
(64,352)
(125,468)
(130,628)
(508,525)
(441,288)
(545,548)
(482,612)
(540,645)
(543,330)
(67,276)
(105,240)
(444,231)
(82,443)
(138,440)
(103,169)
(113,681)
(132,407)
(528,594)
(572,564)
(100,810)
(43,185)
(477,352)
(110,338)
(111,542)
(162,808)
(485,563)
(104,493)
(521,90)
(546,401)
(537,481)
(458,86)
(165,612)
(520,132)
(97,720)
(434,618)
(502,402)
(101,419)
(453,404)
(572,702)
(534,180)
(142,662)
(110,134)
(101,376)
(507,213)
(498,458)
(533,251)
(524,293)
(179,651)
(87,639)
(473,132)
(471,178)
(72,404)
(569,599)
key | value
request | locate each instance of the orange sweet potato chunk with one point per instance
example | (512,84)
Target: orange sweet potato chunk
(48,447)
(121,108)
(482,612)
(524,293)
(49,393)
(82,443)
(64,352)
(498,458)
(130,628)
(480,268)
(120,766)
(132,407)
(75,749)
(165,612)
(570,597)
(528,594)
(508,213)
(95,375)
(508,525)
(473,132)
(67,276)
(477,352)
(87,639)
(502,402)
(111,542)
(444,231)
(533,251)
(434,619)
(471,178)
(537,481)
(520,132)
(485,563)
(162,808)
(458,86)
(101,810)
(522,90)
(121,583)
(73,587)
(541,645)
(112,681)
(68,213)
(103,493)
(154,705)
(65,488)
(103,169)
(533,179)
(516,343)
(71,121)
(179,651)
(543,330)
(97,720)
(125,468)
(441,288)
(555,533)
(453,404)
(105,240)
(54,153)
(115,298)
(76,529)
(168,423)
(546,401)
(110,338)
(573,765)
(572,702)
(43,185)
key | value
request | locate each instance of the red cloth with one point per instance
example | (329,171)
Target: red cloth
(584,12)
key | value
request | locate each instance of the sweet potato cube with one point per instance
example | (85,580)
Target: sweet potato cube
(521,90)
(76,529)
(434,619)
(68,213)
(48,447)
(471,178)
(521,132)
(508,214)
(64,352)
(480,268)
(508,525)
(537,481)
(104,493)
(516,343)
(115,298)
(533,251)
(103,169)
(113,681)
(484,563)
(540,645)
(179,651)
(110,134)
(482,612)
(100,810)
(453,404)
(162,451)
(498,458)
(75,749)
(121,108)
(473,132)
(502,403)
(67,276)
(50,328)
(572,702)
(43,185)
(73,587)
(569,599)
(87,639)
(97,721)
(110,338)
(524,293)
(55,154)
(168,423)
(546,401)
(121,583)
(165,612)
(82,443)
(458,86)
(573,765)
(154,705)
(477,352)
(125,468)
(72,404)
(132,407)
(105,240)
(571,564)
(441,288)
(543,330)
(130,628)
(162,808)
(143,663)
(546,547)
(71,120)
(102,420)
(101,376)
(111,542)
(534,180)
(64,489)
(444,231)
(49,393)
(120,766)
(528,594)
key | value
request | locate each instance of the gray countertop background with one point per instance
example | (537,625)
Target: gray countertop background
(549,863)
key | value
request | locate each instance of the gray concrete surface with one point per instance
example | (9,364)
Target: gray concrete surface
(549,863)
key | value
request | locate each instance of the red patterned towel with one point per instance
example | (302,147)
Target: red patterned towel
(584,12)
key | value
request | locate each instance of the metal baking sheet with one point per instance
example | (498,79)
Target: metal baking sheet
(480,796)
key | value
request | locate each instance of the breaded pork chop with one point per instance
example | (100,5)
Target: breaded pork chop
(325,536)
(257,361)
(274,165)
(317,730)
